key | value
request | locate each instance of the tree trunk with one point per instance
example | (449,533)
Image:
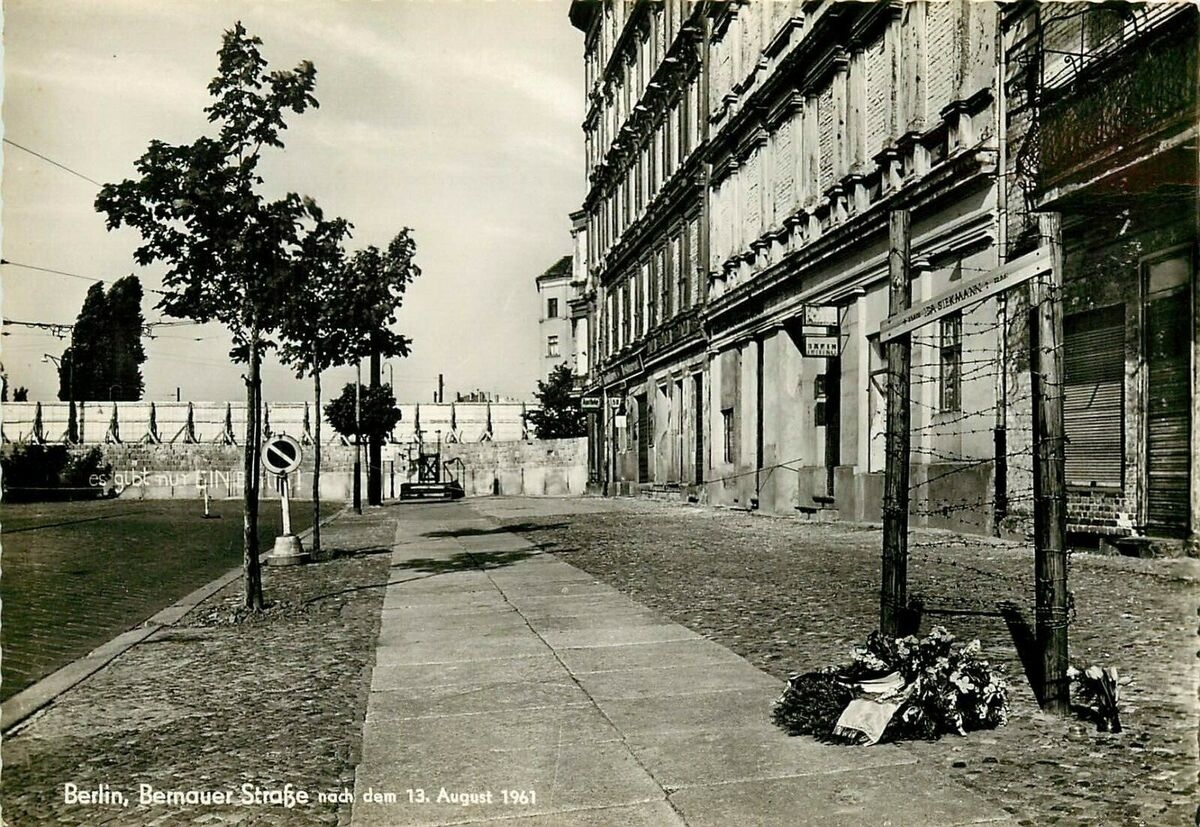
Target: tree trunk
(252,574)
(316,486)
(374,447)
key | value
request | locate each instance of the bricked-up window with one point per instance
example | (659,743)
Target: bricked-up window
(552,346)
(1094,396)
(551,308)
(950,363)
(727,432)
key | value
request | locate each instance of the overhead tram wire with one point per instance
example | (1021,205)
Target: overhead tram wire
(93,279)
(63,167)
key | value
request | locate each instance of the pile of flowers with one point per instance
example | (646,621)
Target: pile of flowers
(897,689)
(1095,692)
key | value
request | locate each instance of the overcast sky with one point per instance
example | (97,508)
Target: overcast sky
(458,119)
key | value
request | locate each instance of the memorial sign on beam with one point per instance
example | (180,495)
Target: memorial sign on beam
(968,292)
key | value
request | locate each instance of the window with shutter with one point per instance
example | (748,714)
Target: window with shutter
(1094,396)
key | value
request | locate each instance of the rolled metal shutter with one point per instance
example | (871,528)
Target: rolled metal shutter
(1168,419)
(1094,396)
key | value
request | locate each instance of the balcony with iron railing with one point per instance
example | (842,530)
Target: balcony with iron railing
(1114,107)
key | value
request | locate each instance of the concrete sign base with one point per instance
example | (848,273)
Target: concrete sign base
(288,552)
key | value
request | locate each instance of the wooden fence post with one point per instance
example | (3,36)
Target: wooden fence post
(1051,613)
(894,590)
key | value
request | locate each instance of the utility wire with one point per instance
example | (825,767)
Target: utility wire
(49,270)
(92,279)
(63,167)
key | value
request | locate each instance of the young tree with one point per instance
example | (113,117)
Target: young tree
(226,248)
(378,280)
(560,416)
(377,408)
(319,286)
(105,356)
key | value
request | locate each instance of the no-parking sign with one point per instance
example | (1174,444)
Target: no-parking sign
(281,454)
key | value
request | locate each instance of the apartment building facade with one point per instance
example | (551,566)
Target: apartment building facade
(744,159)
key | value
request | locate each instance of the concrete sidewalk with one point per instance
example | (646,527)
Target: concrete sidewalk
(511,685)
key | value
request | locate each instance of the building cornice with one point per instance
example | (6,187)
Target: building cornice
(961,172)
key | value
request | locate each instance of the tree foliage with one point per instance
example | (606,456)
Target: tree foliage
(105,356)
(197,207)
(318,285)
(379,413)
(559,415)
(365,312)
(227,249)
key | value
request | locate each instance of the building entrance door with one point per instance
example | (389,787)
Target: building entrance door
(644,428)
(1168,346)
(699,409)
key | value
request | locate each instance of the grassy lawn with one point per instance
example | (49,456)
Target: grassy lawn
(76,574)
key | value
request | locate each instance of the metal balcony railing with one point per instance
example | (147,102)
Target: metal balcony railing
(1116,101)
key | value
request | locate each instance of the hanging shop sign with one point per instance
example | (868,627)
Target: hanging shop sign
(590,403)
(820,346)
(819,337)
(968,292)
(823,315)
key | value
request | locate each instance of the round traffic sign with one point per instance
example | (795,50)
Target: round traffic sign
(281,454)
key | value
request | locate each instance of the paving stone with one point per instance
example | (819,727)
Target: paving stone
(563,778)
(746,710)
(530,668)
(453,699)
(688,759)
(451,734)
(679,680)
(462,650)
(669,655)
(621,635)
(837,798)
(489,632)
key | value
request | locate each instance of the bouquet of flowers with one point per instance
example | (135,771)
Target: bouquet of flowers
(897,689)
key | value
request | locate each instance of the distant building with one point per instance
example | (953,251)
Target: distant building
(580,302)
(557,341)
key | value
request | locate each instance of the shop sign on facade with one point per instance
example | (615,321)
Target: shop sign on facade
(819,332)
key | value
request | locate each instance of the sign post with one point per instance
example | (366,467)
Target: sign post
(281,456)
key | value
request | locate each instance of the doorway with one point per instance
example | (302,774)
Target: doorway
(1167,323)
(698,379)
(644,429)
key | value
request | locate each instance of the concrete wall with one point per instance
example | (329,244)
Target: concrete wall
(543,467)
(534,468)
(459,421)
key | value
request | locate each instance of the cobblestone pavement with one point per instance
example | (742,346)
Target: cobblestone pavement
(211,704)
(792,596)
(78,574)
